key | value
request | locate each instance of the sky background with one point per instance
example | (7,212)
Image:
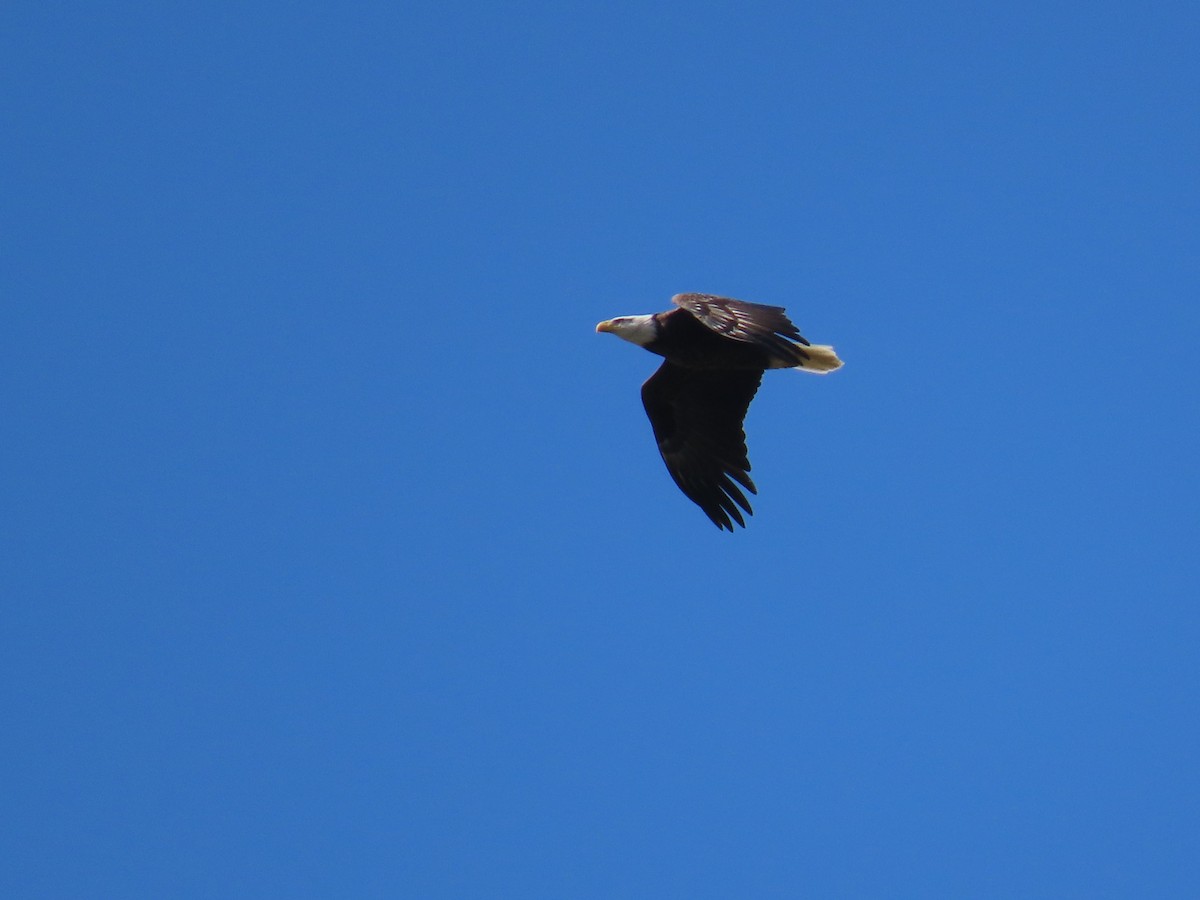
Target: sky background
(337,558)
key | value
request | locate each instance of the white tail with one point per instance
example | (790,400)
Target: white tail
(821,359)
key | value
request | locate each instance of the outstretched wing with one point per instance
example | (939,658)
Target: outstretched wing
(697,420)
(752,323)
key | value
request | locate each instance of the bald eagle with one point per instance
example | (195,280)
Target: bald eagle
(716,351)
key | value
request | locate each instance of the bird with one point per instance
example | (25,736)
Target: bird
(715,351)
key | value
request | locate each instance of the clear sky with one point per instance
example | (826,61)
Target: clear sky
(337,556)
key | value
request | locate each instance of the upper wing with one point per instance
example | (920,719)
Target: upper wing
(753,323)
(697,420)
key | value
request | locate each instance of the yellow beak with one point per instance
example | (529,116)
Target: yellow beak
(606,325)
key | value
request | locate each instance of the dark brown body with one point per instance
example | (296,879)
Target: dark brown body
(687,342)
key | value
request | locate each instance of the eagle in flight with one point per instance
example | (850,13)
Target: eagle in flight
(715,351)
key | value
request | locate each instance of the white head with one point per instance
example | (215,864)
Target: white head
(640,330)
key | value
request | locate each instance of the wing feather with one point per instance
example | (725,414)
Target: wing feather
(752,323)
(697,418)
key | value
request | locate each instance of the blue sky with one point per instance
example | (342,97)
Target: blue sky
(337,557)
